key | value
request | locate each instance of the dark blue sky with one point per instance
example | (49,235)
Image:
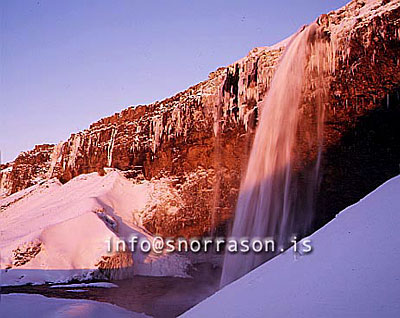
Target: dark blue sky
(65,64)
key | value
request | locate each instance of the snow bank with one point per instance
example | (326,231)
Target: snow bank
(97,285)
(23,305)
(353,270)
(54,233)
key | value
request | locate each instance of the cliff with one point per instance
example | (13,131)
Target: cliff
(200,138)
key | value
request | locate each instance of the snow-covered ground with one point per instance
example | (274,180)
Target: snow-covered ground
(97,285)
(353,270)
(53,232)
(24,305)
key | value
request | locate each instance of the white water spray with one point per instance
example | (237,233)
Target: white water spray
(277,193)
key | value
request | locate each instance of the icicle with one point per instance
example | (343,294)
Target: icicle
(76,142)
(111,147)
(158,133)
(387,101)
(54,158)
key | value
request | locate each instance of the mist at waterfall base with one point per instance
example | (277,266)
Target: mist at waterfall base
(277,193)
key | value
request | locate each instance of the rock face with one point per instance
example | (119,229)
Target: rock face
(200,138)
(29,168)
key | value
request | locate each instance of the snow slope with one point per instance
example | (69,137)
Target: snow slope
(353,270)
(24,305)
(53,232)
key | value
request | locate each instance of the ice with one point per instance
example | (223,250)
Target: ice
(98,285)
(24,305)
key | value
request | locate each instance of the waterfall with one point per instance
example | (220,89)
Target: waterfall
(276,197)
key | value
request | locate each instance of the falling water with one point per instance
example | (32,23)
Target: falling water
(277,193)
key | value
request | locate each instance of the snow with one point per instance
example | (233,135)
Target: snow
(76,290)
(6,170)
(353,270)
(69,224)
(98,285)
(24,305)
(351,23)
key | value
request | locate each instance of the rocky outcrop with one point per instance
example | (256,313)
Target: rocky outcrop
(29,168)
(209,127)
(115,267)
(23,255)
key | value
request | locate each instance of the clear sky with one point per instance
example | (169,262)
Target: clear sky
(65,64)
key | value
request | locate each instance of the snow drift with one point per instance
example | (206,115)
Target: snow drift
(353,270)
(54,233)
